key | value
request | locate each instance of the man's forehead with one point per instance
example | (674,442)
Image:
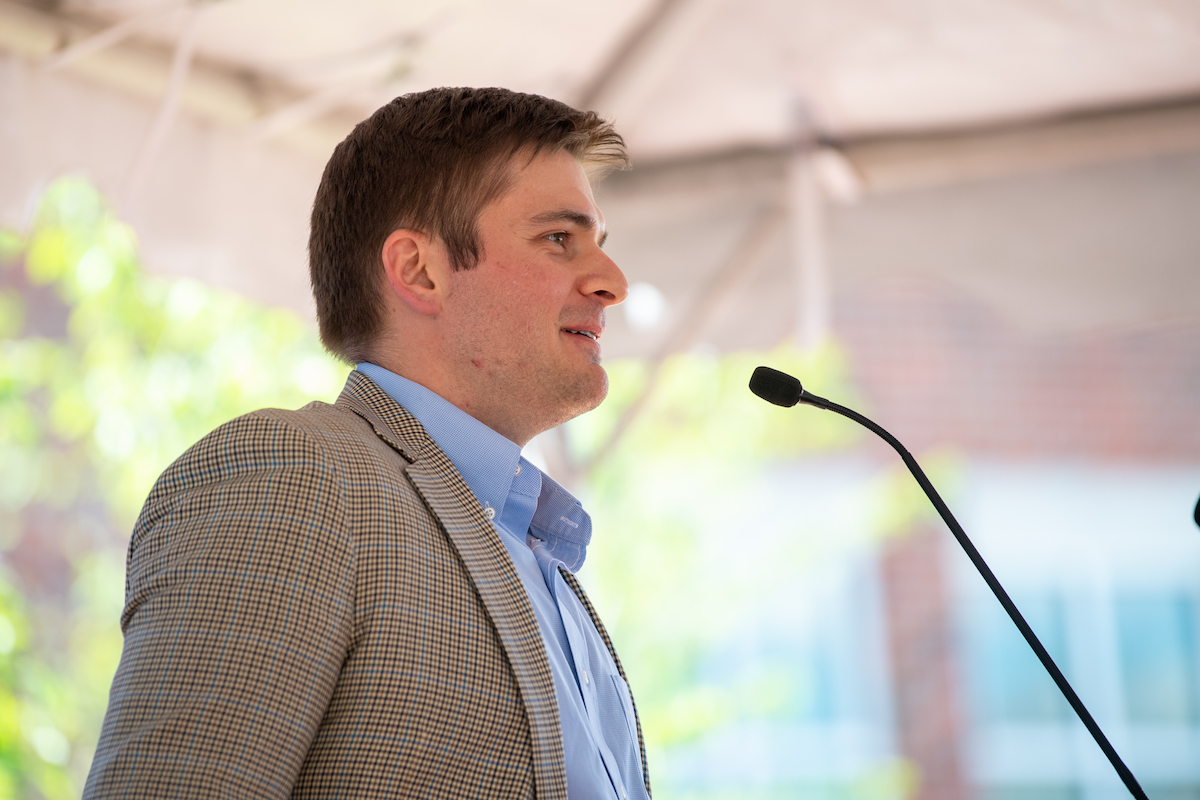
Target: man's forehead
(551,188)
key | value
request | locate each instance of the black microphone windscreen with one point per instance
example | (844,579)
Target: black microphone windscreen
(775,386)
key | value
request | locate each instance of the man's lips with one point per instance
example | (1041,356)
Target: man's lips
(589,326)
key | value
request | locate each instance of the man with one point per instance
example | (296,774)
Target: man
(376,598)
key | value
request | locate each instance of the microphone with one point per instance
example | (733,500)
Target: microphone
(784,390)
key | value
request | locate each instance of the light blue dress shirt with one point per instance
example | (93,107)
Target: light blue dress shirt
(543,528)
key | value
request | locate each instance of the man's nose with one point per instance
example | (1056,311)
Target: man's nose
(606,281)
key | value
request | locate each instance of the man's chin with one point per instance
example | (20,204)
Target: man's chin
(587,393)
(599,392)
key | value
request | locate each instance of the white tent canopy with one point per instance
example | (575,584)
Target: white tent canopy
(864,125)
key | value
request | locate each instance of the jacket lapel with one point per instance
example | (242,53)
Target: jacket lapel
(487,563)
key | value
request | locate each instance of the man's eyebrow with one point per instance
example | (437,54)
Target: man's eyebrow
(585,221)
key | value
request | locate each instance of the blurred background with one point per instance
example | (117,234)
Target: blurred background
(977,222)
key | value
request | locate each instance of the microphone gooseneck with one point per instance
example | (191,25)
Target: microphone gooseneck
(784,390)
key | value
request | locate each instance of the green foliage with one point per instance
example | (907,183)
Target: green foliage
(92,409)
(146,366)
(669,592)
(701,410)
(903,507)
(679,564)
(14,636)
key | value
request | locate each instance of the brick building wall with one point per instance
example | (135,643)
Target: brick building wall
(939,369)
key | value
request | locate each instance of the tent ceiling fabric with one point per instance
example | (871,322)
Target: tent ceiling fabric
(928,110)
(1060,253)
(701,75)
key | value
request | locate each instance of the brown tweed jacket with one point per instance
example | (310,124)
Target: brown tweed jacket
(316,606)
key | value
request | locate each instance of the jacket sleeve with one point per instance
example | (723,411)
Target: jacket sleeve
(238,617)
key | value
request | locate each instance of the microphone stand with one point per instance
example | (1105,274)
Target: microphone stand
(784,390)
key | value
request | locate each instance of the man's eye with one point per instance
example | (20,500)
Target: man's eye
(557,238)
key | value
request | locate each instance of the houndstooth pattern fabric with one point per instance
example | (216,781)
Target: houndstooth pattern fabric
(317,607)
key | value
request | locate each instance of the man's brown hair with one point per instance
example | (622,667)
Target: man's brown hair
(429,161)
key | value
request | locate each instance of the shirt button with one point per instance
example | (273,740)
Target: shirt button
(518,472)
(623,795)
(585,680)
(489,512)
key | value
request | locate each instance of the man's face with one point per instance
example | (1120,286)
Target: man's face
(523,323)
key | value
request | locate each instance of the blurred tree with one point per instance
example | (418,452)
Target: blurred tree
(678,567)
(106,375)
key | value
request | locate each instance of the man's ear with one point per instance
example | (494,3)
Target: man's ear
(416,269)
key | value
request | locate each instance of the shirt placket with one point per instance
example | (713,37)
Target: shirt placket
(586,681)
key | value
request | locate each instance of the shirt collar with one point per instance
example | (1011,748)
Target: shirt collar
(562,524)
(488,462)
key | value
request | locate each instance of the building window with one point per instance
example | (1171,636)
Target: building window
(1007,682)
(1157,640)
